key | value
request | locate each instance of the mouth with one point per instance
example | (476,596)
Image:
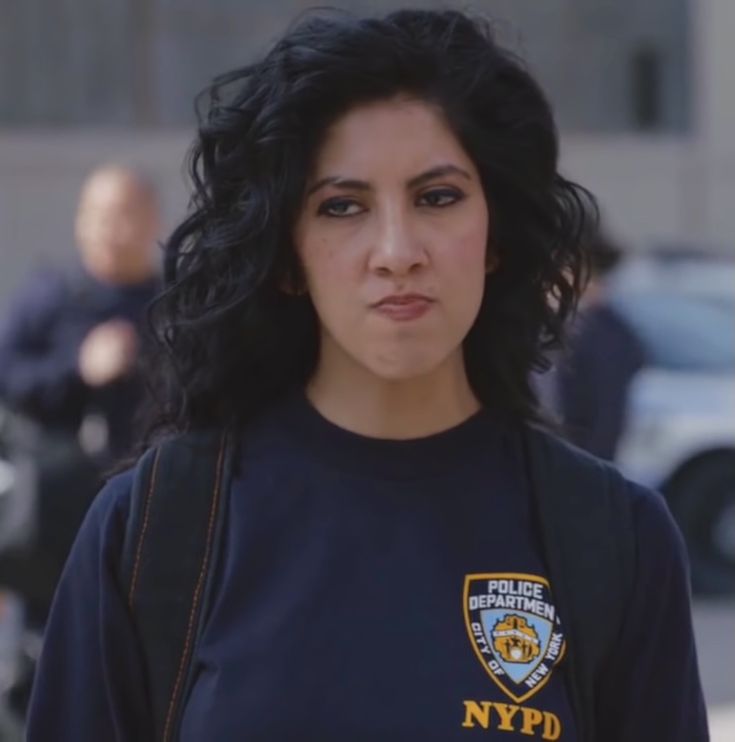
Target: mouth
(404,307)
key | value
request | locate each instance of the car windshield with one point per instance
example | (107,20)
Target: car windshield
(683,332)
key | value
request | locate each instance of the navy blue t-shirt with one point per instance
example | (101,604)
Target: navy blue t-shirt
(371,590)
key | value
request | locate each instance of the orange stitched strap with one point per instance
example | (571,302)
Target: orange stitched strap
(197,593)
(144,528)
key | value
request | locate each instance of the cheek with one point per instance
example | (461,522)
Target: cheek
(463,268)
(330,274)
(470,251)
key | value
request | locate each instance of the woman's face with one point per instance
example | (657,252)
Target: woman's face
(392,238)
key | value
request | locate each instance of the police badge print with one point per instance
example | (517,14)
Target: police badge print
(514,630)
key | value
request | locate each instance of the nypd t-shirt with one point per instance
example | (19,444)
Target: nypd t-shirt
(366,590)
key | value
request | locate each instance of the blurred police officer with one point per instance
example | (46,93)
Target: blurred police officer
(69,343)
(603,355)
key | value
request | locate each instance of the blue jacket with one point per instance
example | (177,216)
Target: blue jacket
(40,337)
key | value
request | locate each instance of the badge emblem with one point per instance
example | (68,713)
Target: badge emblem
(514,630)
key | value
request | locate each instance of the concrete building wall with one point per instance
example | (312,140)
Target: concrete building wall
(40,178)
(123,62)
(66,61)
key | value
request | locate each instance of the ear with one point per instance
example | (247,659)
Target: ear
(492,262)
(293,284)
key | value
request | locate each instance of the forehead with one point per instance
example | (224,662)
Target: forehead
(114,190)
(402,133)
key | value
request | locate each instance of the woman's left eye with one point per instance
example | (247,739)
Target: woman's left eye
(440,197)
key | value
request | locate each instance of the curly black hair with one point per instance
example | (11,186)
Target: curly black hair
(229,339)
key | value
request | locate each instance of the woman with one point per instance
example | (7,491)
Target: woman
(360,293)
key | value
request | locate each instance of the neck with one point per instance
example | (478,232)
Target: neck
(357,400)
(132,277)
(595,294)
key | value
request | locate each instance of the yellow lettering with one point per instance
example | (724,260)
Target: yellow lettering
(552,726)
(475,712)
(531,718)
(506,712)
(479,713)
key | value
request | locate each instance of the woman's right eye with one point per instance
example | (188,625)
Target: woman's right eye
(340,207)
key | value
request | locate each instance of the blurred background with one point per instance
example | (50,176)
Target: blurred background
(645,105)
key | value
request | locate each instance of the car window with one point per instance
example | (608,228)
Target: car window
(683,332)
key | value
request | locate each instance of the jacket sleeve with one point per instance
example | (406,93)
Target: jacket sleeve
(651,689)
(89,685)
(38,370)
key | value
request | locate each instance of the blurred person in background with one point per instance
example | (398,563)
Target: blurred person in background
(594,373)
(69,343)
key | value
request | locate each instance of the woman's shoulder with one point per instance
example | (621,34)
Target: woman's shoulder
(587,478)
(656,531)
(102,532)
(645,509)
(114,495)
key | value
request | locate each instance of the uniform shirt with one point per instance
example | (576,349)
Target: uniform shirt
(40,337)
(594,378)
(371,590)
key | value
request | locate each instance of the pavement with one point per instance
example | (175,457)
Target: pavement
(714,626)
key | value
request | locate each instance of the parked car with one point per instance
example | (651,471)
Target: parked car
(680,433)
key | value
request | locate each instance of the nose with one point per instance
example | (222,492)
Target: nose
(398,249)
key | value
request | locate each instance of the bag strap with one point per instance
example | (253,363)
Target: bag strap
(171,542)
(586,528)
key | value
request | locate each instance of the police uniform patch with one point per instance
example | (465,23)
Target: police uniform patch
(514,630)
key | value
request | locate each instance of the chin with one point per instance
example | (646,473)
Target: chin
(399,367)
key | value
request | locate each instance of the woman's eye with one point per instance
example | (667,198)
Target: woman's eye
(339,207)
(440,197)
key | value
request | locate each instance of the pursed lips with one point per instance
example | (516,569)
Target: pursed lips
(399,299)
(403,307)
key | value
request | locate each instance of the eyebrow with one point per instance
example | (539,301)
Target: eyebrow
(362,185)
